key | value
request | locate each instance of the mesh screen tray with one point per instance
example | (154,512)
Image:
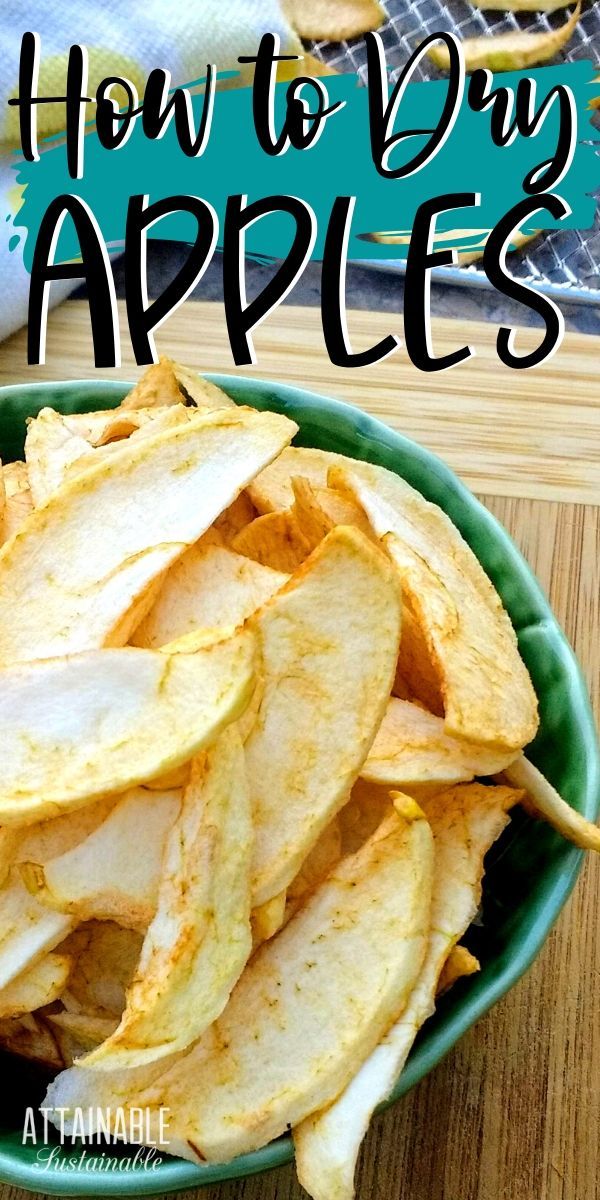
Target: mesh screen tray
(564,261)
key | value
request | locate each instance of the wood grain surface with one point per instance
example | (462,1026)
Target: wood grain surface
(513,1112)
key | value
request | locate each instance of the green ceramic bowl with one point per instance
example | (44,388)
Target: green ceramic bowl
(528,878)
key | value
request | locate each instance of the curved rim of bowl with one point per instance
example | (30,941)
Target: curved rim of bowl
(177,1174)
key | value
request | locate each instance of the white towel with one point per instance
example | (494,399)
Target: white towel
(129,39)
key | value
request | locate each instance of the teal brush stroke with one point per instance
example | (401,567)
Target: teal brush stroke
(339,164)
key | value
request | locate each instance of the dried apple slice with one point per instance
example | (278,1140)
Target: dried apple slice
(55,452)
(327,678)
(285,538)
(110,426)
(533,6)
(417,677)
(268,919)
(82,1031)
(324,856)
(199,940)
(275,540)
(169,382)
(100,879)
(334,21)
(28,930)
(543,800)
(488,695)
(239,514)
(207,587)
(156,387)
(50,449)
(47,839)
(319,509)
(465,820)
(37,986)
(302,1017)
(18,502)
(363,812)
(75,729)
(197,390)
(510,51)
(459,964)
(412,747)
(88,554)
(272,490)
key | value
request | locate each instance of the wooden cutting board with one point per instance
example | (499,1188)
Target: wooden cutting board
(513,1113)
